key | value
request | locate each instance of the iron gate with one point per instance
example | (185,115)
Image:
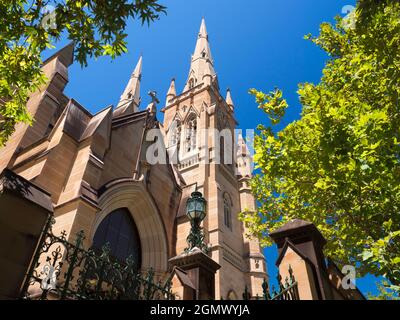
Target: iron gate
(64,270)
(287,290)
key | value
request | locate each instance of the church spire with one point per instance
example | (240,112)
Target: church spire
(171,92)
(228,99)
(130,98)
(243,158)
(202,64)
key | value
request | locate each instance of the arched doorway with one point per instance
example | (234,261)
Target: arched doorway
(132,195)
(119,230)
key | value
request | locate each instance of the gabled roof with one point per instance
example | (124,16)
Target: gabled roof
(65,55)
(95,122)
(79,123)
(297,227)
(294,224)
(183,277)
(289,244)
(76,121)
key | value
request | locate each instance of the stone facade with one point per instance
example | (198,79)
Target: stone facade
(91,165)
(241,260)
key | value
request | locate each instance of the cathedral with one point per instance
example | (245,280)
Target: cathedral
(94,170)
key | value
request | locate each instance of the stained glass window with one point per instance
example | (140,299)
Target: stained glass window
(119,230)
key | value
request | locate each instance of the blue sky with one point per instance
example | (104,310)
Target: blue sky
(255,44)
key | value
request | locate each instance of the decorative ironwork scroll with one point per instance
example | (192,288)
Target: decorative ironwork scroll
(62,270)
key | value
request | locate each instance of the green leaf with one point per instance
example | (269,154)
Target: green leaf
(338,164)
(367,255)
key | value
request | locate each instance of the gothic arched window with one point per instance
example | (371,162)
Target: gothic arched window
(191,133)
(222,150)
(119,230)
(227,211)
(175,134)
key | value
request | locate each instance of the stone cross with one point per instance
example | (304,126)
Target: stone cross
(153,95)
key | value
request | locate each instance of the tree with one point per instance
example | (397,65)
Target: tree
(385,292)
(28,27)
(338,166)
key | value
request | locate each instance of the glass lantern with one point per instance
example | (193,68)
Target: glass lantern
(196,212)
(196,207)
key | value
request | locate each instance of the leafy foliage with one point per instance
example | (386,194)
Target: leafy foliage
(385,292)
(339,165)
(27,28)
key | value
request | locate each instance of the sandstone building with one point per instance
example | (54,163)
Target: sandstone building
(94,169)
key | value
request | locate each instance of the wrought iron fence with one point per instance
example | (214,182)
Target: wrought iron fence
(64,270)
(287,290)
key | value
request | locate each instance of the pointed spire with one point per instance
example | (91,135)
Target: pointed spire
(202,65)
(138,69)
(130,98)
(244,159)
(203,29)
(228,99)
(171,92)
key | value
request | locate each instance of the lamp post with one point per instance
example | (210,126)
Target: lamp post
(196,212)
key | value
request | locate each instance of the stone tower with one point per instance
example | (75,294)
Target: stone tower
(199,126)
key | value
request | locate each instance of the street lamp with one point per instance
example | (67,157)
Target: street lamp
(196,212)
